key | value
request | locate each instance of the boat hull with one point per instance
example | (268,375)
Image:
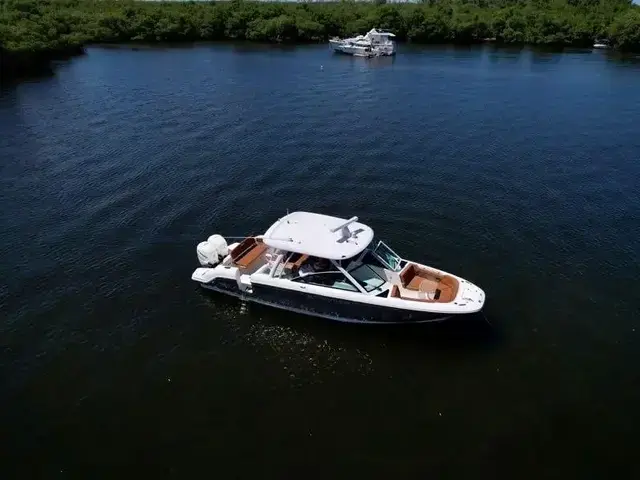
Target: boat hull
(325,307)
(349,50)
(359,51)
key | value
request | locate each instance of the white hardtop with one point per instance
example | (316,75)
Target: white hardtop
(382,33)
(319,235)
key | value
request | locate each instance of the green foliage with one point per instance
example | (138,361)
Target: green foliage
(39,26)
(625,31)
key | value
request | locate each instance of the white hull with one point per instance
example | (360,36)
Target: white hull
(302,311)
(343,306)
(351,50)
(358,51)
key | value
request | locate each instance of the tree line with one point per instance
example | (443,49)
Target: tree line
(33,30)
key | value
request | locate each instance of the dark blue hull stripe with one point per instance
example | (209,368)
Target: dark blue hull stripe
(325,307)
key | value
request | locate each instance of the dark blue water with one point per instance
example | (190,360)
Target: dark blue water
(515,169)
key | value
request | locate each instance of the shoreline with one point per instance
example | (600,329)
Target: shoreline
(15,67)
(33,34)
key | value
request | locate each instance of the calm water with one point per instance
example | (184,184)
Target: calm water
(517,170)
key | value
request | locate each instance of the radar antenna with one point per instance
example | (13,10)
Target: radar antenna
(346,233)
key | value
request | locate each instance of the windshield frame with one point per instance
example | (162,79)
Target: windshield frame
(397,267)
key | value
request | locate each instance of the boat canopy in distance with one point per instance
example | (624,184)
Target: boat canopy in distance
(382,33)
(319,235)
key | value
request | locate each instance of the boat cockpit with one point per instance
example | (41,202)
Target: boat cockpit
(375,271)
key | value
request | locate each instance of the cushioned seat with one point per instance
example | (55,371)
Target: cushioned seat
(414,278)
(448,287)
(437,289)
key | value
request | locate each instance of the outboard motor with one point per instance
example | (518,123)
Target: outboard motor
(213,251)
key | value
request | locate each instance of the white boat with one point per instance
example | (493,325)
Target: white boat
(330,267)
(601,44)
(374,43)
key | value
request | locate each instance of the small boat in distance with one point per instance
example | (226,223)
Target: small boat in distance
(601,44)
(333,268)
(375,43)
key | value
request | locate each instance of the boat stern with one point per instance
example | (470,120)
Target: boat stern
(203,275)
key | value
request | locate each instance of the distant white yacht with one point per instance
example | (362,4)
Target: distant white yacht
(374,43)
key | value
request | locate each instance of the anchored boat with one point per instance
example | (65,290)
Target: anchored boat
(374,43)
(333,268)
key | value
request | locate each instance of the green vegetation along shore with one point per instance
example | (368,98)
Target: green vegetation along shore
(35,31)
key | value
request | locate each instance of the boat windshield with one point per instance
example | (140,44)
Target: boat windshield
(388,256)
(367,277)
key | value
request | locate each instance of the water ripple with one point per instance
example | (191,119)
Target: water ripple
(517,172)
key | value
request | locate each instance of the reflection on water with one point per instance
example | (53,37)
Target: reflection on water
(373,62)
(627,59)
(304,357)
(301,347)
(250,47)
(549,56)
